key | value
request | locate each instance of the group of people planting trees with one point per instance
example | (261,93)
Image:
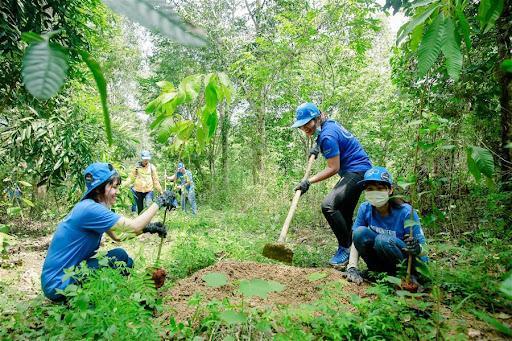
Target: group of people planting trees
(378,234)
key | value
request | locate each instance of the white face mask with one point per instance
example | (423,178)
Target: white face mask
(377,198)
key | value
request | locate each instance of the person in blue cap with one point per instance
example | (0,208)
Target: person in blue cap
(79,234)
(185,185)
(346,157)
(380,233)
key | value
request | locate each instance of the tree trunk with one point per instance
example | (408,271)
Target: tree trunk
(224,132)
(504,28)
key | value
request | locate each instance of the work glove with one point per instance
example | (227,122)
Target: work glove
(353,275)
(314,151)
(167,199)
(157,227)
(412,245)
(303,186)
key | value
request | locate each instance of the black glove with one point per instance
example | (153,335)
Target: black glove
(303,186)
(167,199)
(157,227)
(314,151)
(353,275)
(412,245)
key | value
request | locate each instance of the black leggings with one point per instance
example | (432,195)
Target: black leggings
(338,206)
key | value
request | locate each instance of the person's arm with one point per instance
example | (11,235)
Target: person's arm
(172,178)
(154,176)
(333,166)
(112,235)
(131,179)
(136,225)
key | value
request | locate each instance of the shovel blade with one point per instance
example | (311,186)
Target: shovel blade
(278,252)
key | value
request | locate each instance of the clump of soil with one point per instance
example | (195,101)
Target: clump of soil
(299,288)
(158,277)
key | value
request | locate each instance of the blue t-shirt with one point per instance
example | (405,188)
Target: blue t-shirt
(392,224)
(335,140)
(77,238)
(184,178)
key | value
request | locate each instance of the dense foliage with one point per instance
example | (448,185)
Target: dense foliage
(215,84)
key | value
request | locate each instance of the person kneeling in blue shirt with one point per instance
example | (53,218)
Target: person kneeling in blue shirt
(379,233)
(78,236)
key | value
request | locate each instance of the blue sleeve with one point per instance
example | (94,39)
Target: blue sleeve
(329,147)
(361,217)
(97,217)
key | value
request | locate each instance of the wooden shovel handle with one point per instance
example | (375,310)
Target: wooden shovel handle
(295,202)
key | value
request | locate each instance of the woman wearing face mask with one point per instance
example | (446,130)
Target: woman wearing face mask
(78,236)
(379,235)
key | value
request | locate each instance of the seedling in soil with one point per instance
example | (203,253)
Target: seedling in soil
(158,276)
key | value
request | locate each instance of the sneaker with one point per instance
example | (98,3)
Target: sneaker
(340,259)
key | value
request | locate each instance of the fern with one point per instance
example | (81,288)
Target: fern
(430,46)
(451,50)
(415,22)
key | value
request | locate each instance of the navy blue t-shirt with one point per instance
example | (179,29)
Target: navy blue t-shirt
(335,140)
(76,239)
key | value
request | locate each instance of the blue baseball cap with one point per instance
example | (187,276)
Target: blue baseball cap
(305,113)
(180,165)
(96,174)
(145,155)
(377,174)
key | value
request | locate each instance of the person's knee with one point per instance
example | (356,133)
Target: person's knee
(120,255)
(327,205)
(361,237)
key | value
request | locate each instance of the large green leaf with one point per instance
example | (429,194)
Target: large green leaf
(418,19)
(101,84)
(259,287)
(44,69)
(464,26)
(232,317)
(506,286)
(31,37)
(159,18)
(480,161)
(190,86)
(215,279)
(488,12)
(430,46)
(499,326)
(507,65)
(210,93)
(451,50)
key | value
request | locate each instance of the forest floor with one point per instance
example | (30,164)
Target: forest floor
(225,244)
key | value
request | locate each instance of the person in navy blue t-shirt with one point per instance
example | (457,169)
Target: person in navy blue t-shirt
(380,233)
(78,236)
(346,157)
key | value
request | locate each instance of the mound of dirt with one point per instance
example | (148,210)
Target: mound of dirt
(299,286)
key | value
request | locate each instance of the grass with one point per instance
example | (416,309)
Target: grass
(109,306)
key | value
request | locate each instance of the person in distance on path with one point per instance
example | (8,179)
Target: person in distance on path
(79,234)
(346,157)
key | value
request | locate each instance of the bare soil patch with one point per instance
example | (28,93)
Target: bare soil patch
(299,288)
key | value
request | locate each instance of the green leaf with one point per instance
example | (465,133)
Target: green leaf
(4,228)
(258,287)
(166,86)
(451,50)
(501,327)
(101,84)
(160,19)
(27,202)
(44,69)
(415,22)
(506,286)
(210,94)
(31,37)
(211,123)
(233,317)
(430,46)
(480,161)
(464,26)
(488,12)
(507,65)
(416,35)
(12,211)
(393,280)
(315,276)
(191,86)
(157,121)
(215,279)
(410,223)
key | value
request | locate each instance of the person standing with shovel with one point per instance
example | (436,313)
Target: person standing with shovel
(346,157)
